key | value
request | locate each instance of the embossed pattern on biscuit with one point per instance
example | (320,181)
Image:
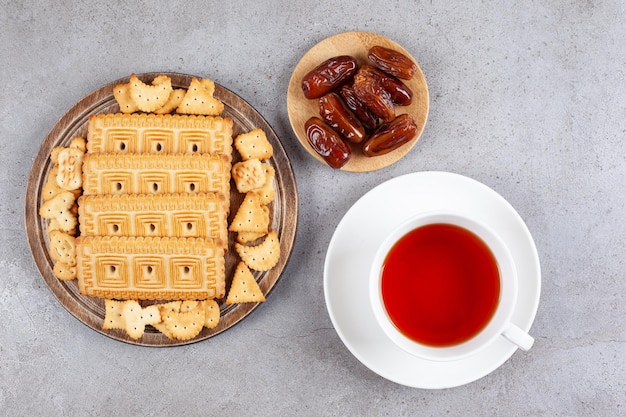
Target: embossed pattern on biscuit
(155,174)
(151,268)
(159,134)
(157,215)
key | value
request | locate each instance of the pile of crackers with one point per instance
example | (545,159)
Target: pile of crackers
(138,212)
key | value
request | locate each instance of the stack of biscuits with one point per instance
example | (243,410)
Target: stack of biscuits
(153,214)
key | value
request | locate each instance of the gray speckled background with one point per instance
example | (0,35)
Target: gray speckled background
(526,97)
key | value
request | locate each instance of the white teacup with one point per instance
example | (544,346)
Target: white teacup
(500,322)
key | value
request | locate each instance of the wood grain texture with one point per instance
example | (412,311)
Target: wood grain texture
(356,44)
(283,211)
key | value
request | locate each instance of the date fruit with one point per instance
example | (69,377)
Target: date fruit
(327,143)
(390,136)
(398,91)
(366,117)
(371,92)
(328,75)
(392,62)
(340,118)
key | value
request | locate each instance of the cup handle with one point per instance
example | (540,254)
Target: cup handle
(518,337)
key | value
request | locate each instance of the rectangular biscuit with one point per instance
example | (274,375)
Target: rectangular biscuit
(159,134)
(155,215)
(123,268)
(156,174)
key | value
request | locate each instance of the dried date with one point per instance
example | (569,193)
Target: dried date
(392,62)
(399,93)
(340,118)
(366,117)
(328,76)
(390,136)
(371,92)
(327,143)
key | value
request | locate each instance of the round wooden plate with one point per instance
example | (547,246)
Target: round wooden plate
(283,211)
(356,44)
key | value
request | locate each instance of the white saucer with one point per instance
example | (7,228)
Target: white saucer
(351,251)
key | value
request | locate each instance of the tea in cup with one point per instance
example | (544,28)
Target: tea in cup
(443,286)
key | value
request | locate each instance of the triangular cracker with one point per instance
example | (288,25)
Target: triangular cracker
(251,216)
(244,288)
(263,256)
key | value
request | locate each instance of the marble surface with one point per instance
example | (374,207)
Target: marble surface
(527,97)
